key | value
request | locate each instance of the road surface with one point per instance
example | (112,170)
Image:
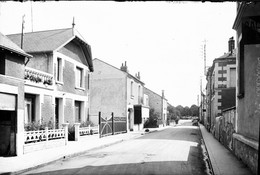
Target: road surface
(176,150)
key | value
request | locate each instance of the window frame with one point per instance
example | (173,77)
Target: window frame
(59,70)
(82,77)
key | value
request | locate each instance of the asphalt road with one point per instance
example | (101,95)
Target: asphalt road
(176,150)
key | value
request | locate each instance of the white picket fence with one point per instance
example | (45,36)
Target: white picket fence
(87,130)
(43,135)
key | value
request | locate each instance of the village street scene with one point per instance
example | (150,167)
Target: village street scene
(129,88)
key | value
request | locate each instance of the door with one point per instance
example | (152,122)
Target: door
(56,113)
(7,133)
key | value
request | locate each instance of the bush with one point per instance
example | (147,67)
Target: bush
(35,126)
(151,123)
(86,124)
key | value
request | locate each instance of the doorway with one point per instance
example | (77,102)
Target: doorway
(7,133)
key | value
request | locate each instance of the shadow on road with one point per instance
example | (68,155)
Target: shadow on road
(149,168)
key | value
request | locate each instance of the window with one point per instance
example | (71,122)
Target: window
(59,70)
(77,111)
(241,80)
(79,77)
(2,64)
(132,93)
(232,77)
(29,109)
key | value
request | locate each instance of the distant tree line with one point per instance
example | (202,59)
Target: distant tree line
(179,111)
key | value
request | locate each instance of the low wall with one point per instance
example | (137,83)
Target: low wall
(246,150)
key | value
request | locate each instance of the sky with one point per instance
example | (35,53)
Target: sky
(161,40)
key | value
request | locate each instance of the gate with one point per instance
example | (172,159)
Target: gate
(111,125)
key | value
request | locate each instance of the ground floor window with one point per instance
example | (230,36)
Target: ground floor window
(78,111)
(29,109)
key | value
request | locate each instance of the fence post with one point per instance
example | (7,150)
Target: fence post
(76,127)
(47,133)
(112,123)
(99,124)
(66,127)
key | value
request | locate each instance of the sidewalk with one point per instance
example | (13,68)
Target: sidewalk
(15,165)
(222,160)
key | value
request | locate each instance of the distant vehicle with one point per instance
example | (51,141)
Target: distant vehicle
(195,121)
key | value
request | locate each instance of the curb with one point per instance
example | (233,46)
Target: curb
(209,161)
(66,156)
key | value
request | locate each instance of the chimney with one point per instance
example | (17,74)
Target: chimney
(231,45)
(138,75)
(162,93)
(124,67)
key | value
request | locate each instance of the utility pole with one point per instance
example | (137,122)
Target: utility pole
(204,56)
(32,16)
(22,32)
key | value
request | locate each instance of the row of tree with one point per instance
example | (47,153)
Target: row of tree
(181,112)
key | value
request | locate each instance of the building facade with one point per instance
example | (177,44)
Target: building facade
(56,87)
(12,64)
(116,90)
(221,86)
(159,104)
(246,136)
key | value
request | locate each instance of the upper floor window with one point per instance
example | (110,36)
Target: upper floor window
(132,89)
(2,64)
(59,71)
(79,77)
(232,77)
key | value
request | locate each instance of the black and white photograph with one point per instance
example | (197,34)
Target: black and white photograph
(129,87)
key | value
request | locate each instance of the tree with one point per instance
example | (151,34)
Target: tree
(180,109)
(186,111)
(194,110)
(153,118)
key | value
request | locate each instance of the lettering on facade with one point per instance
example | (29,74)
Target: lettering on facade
(254,25)
(251,30)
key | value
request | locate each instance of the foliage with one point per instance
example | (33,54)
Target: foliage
(48,81)
(35,126)
(152,121)
(180,111)
(86,124)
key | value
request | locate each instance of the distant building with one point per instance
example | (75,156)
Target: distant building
(159,104)
(116,90)
(246,136)
(12,64)
(221,86)
(57,78)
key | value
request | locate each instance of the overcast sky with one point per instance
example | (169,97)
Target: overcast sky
(161,40)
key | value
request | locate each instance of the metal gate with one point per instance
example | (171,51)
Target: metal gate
(110,125)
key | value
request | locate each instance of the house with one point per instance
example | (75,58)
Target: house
(159,104)
(57,78)
(12,63)
(56,85)
(221,86)
(246,136)
(116,91)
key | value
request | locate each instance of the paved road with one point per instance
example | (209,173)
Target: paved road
(175,150)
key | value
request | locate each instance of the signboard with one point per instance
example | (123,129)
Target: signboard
(7,102)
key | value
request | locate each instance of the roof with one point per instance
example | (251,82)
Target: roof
(227,55)
(131,76)
(43,41)
(51,40)
(155,93)
(7,44)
